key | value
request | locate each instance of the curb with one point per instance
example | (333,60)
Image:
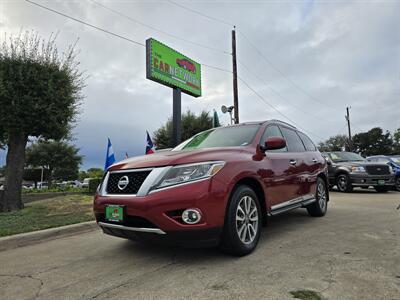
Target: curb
(35,237)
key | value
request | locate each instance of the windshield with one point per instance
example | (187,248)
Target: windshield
(345,156)
(221,137)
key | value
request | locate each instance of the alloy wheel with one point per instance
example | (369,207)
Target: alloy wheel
(321,196)
(342,182)
(247,219)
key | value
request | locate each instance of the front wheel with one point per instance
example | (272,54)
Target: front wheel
(343,183)
(320,206)
(243,222)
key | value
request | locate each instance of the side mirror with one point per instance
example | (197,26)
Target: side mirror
(328,162)
(274,143)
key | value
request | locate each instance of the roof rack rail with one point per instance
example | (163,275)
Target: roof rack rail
(285,123)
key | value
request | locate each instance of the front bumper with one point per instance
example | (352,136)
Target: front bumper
(149,217)
(371,180)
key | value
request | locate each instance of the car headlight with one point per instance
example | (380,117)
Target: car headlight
(358,169)
(187,173)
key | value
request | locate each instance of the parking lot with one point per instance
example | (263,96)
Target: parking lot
(351,253)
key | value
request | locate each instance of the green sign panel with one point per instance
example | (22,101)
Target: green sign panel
(171,68)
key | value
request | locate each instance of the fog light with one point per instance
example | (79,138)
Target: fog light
(191,216)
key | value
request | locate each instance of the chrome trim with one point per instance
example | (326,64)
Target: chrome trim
(151,180)
(138,229)
(293,201)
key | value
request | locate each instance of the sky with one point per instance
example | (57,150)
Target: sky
(302,62)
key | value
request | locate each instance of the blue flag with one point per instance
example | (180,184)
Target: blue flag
(110,158)
(149,145)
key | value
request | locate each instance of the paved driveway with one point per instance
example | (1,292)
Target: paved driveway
(351,253)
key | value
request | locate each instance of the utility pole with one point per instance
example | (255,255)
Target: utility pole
(235,81)
(348,126)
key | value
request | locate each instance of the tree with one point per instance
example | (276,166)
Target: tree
(40,91)
(191,125)
(373,142)
(334,143)
(59,158)
(91,173)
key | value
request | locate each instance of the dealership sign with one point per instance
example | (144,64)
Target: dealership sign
(171,68)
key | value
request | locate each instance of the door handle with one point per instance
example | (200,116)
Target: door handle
(314,160)
(293,162)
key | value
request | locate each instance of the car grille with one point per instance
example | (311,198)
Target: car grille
(377,170)
(136,180)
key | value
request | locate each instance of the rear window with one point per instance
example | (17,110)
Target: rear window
(293,141)
(307,142)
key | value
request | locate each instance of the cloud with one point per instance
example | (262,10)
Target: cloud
(339,54)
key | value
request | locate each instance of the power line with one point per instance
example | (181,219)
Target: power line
(283,74)
(280,95)
(201,14)
(158,30)
(112,33)
(87,24)
(277,110)
(258,52)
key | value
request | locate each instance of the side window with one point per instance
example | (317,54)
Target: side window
(307,142)
(272,130)
(293,141)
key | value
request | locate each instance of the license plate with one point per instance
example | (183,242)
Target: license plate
(381,182)
(114,213)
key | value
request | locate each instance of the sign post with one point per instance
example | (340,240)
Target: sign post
(173,69)
(176,117)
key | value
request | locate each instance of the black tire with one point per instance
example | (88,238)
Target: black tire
(319,207)
(381,189)
(343,183)
(231,242)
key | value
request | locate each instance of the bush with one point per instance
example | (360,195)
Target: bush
(93,184)
(55,190)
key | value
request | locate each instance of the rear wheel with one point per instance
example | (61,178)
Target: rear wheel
(381,189)
(320,206)
(343,183)
(243,222)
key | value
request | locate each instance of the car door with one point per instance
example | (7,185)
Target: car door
(275,169)
(298,169)
(314,162)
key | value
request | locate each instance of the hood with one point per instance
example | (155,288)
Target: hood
(359,163)
(169,158)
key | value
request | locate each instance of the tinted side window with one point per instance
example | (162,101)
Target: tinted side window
(272,130)
(293,141)
(307,142)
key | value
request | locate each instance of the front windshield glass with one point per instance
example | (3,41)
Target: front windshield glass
(345,156)
(241,135)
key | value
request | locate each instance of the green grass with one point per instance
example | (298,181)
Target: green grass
(49,213)
(306,295)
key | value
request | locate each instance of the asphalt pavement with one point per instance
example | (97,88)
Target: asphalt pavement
(351,253)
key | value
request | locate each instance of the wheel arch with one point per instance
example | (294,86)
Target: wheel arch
(258,189)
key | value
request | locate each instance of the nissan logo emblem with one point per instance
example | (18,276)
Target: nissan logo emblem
(123,182)
(378,169)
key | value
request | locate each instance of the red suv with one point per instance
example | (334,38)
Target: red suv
(217,188)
